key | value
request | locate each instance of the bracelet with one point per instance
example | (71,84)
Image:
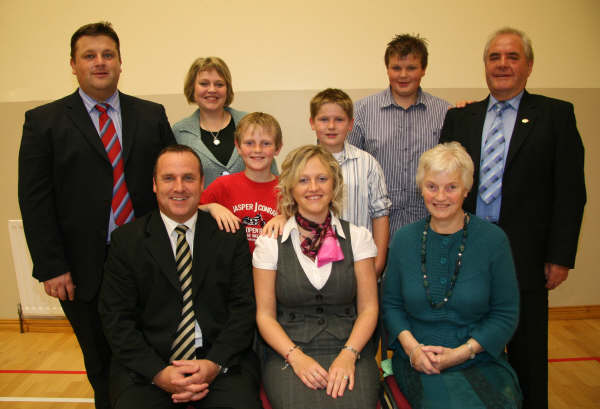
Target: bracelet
(412,352)
(472,352)
(354,351)
(287,355)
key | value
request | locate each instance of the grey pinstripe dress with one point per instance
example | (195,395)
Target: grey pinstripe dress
(320,321)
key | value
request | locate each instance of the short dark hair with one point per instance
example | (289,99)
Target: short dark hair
(101,28)
(404,44)
(177,148)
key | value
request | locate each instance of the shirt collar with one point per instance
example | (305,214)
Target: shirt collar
(191,124)
(513,102)
(349,152)
(171,224)
(291,225)
(90,103)
(388,99)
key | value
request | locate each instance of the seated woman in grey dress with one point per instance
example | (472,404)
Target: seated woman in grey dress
(450,298)
(316,294)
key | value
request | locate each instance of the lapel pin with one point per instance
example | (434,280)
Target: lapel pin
(524,120)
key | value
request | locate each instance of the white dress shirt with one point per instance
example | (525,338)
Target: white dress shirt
(265,254)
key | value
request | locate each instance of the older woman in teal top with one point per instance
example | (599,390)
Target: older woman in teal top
(210,129)
(450,296)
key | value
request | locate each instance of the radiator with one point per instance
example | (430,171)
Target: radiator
(33,300)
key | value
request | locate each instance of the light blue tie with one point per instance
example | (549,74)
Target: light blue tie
(492,159)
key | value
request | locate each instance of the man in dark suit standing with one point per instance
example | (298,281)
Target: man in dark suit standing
(529,180)
(177,302)
(85,167)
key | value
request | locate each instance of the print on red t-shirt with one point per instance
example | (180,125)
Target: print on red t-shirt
(252,202)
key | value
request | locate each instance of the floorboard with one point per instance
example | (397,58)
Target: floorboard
(573,384)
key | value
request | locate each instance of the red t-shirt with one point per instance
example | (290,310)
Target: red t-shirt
(254,203)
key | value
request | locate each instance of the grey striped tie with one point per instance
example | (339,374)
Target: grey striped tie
(183,345)
(492,159)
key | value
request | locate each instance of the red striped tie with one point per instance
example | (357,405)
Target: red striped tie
(121,202)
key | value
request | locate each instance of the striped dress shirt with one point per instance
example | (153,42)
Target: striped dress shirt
(114,113)
(365,192)
(397,137)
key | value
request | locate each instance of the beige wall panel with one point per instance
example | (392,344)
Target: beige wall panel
(291,109)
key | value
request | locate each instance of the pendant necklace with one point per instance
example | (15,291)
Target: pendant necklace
(216,140)
(461,250)
(215,135)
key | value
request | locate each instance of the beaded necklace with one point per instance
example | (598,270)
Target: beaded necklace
(461,250)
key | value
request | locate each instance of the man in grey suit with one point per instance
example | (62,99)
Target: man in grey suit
(85,167)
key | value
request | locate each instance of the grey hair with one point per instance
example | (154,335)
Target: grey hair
(446,157)
(525,40)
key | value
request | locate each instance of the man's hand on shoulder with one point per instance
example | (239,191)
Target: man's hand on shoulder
(61,287)
(462,104)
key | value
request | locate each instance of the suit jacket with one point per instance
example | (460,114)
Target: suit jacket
(543,186)
(140,299)
(65,183)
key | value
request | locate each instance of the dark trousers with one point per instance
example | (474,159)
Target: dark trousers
(528,349)
(85,320)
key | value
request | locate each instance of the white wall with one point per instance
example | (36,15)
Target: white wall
(281,45)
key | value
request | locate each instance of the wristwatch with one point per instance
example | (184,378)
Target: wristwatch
(222,369)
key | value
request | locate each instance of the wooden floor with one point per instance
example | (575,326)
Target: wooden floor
(573,384)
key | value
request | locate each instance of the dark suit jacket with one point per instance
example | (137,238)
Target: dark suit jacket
(140,299)
(65,183)
(543,186)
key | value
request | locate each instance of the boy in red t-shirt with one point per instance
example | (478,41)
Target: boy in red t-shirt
(250,195)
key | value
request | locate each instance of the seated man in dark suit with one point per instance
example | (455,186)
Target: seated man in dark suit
(177,302)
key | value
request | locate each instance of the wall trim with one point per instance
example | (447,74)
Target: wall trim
(579,312)
(54,325)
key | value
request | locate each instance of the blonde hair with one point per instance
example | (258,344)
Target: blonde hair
(294,165)
(446,157)
(331,96)
(207,64)
(266,122)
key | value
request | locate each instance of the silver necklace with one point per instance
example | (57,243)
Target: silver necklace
(215,136)
(216,140)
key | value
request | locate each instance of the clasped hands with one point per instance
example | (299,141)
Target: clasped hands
(432,359)
(339,377)
(187,380)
